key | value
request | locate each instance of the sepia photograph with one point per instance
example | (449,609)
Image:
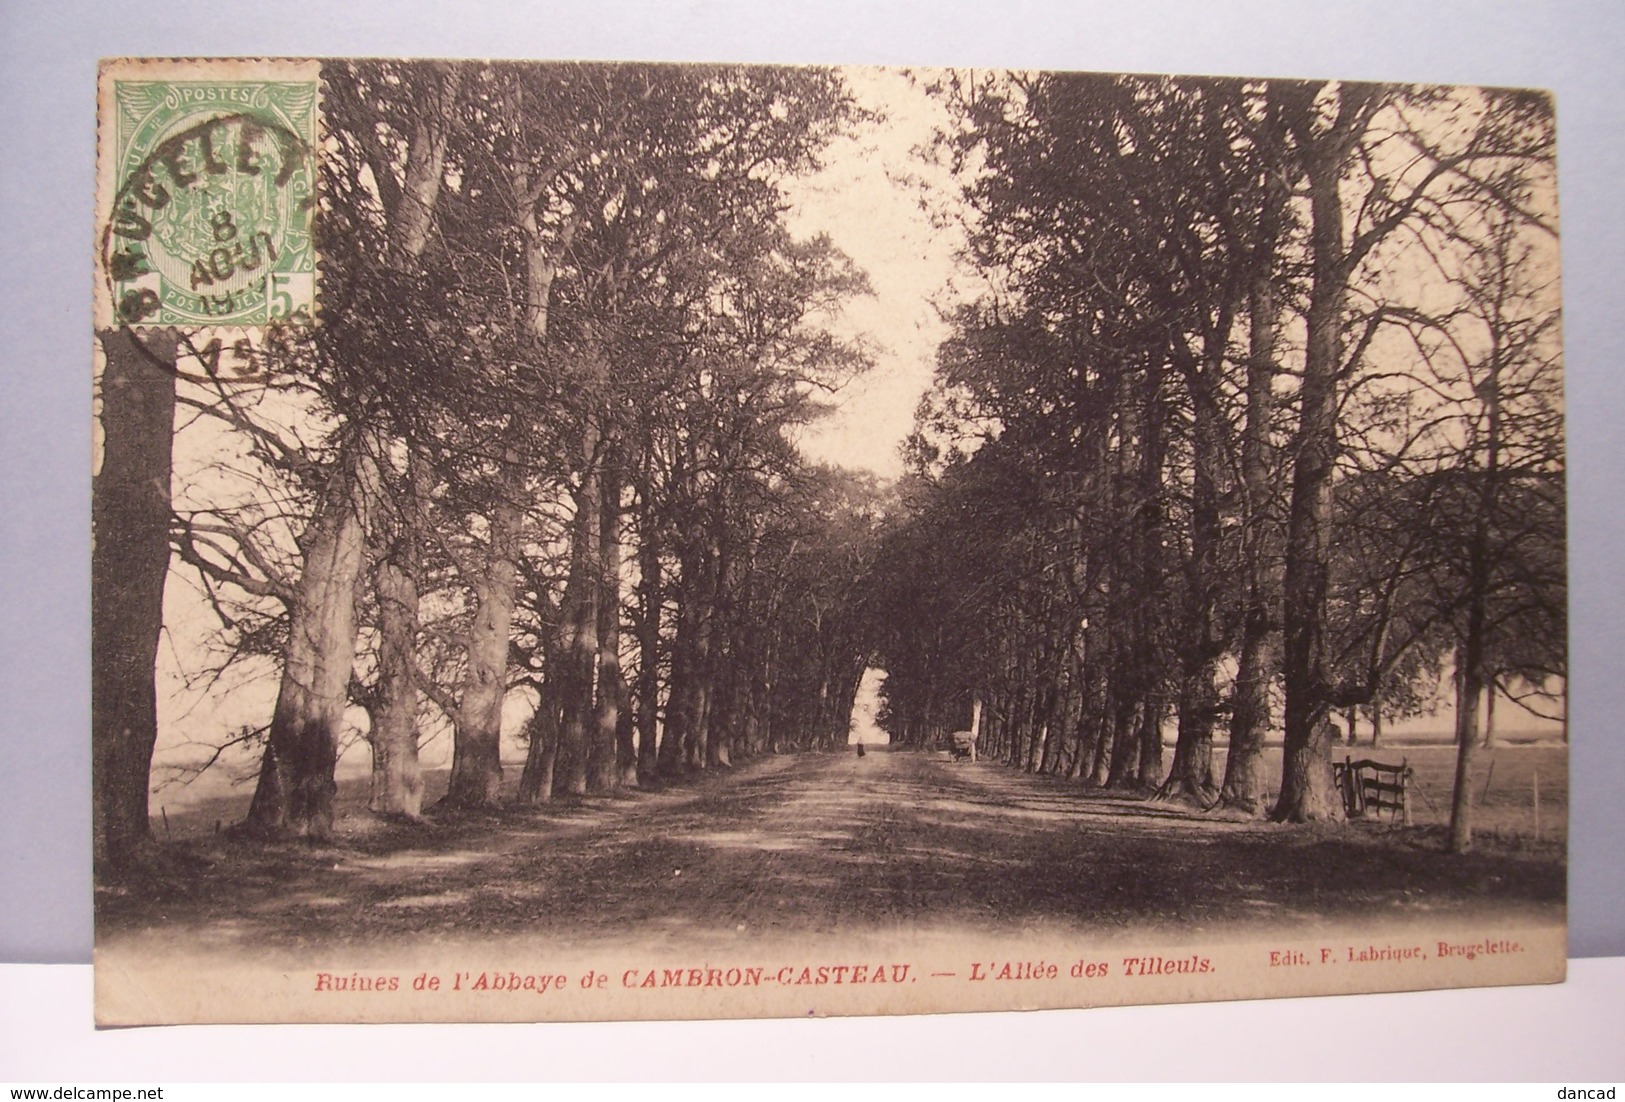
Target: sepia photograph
(627,540)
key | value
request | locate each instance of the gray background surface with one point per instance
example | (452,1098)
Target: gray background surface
(48,54)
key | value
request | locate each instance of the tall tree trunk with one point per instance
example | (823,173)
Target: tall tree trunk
(745,644)
(697,752)
(397,780)
(1149,581)
(1250,719)
(129,562)
(767,722)
(750,720)
(1078,746)
(1243,787)
(626,735)
(1058,728)
(1124,758)
(674,741)
(1092,709)
(725,702)
(579,658)
(719,720)
(1019,749)
(697,727)
(1191,775)
(542,736)
(476,764)
(541,258)
(1104,722)
(1046,698)
(1306,777)
(1152,714)
(650,599)
(294,796)
(1100,748)
(609,757)
(1470,688)
(1472,660)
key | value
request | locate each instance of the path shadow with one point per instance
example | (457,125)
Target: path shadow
(811,845)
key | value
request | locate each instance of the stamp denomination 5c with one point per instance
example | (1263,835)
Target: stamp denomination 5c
(206,191)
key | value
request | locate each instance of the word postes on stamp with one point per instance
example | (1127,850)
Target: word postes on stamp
(206,193)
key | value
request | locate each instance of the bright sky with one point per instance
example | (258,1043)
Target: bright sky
(868,200)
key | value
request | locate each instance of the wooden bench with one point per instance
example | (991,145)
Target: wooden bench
(1374,786)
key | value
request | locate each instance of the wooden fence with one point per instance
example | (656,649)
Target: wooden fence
(1374,787)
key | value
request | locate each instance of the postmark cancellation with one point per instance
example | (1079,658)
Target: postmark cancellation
(206,189)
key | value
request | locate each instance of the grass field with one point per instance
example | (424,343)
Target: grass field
(1505,782)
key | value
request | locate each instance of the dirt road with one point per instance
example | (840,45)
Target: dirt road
(806,846)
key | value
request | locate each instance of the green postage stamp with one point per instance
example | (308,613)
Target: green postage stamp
(206,190)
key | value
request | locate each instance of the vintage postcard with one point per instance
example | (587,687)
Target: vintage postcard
(620,541)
